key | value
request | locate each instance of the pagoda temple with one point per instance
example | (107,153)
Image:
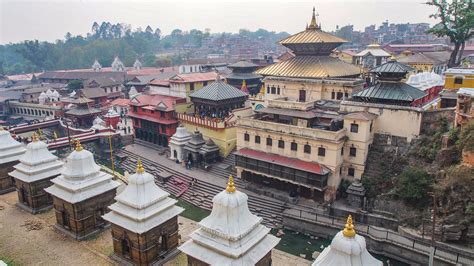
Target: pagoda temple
(230,235)
(209,152)
(177,143)
(242,73)
(81,195)
(347,248)
(389,88)
(10,152)
(193,146)
(33,174)
(144,221)
(83,113)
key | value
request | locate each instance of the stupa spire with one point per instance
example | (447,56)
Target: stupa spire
(349,228)
(230,185)
(34,137)
(78,146)
(313,24)
(140,168)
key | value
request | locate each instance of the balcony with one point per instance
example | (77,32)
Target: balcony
(288,103)
(313,133)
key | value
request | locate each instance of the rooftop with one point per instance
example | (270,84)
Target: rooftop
(392,91)
(92,93)
(157,102)
(462,71)
(193,77)
(218,91)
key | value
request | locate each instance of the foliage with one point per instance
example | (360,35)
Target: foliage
(456,22)
(466,137)
(453,135)
(75,85)
(413,185)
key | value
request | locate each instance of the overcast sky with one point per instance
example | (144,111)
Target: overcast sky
(51,19)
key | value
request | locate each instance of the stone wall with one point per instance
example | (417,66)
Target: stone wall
(428,122)
(36,198)
(7,183)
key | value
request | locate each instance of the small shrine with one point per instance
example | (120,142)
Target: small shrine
(144,221)
(10,152)
(112,118)
(137,65)
(83,113)
(193,146)
(81,195)
(33,174)
(117,65)
(177,143)
(231,234)
(209,152)
(347,248)
(96,66)
(355,194)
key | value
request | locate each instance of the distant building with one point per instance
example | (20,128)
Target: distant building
(426,62)
(182,85)
(415,48)
(371,57)
(344,55)
(456,78)
(242,71)
(83,112)
(112,88)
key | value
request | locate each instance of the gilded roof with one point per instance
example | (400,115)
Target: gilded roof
(312,36)
(311,67)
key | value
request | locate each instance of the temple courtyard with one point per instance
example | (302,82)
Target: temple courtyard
(27,239)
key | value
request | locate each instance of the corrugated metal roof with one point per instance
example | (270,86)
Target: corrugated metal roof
(312,36)
(310,67)
(217,91)
(392,66)
(393,91)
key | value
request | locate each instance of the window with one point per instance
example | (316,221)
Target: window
(135,109)
(269,141)
(353,152)
(162,114)
(278,90)
(458,80)
(350,171)
(246,137)
(268,89)
(333,95)
(339,95)
(205,83)
(354,128)
(294,146)
(191,86)
(321,151)
(346,95)
(273,90)
(342,151)
(257,139)
(281,144)
(307,149)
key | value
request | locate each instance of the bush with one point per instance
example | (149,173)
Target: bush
(413,185)
(466,137)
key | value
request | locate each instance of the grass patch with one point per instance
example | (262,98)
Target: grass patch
(192,212)
(8,261)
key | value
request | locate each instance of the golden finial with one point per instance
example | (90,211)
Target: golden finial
(262,89)
(349,228)
(313,25)
(393,58)
(78,146)
(140,169)
(34,137)
(230,185)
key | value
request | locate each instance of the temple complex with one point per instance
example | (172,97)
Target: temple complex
(177,143)
(230,235)
(144,221)
(10,152)
(81,195)
(347,248)
(33,174)
(243,73)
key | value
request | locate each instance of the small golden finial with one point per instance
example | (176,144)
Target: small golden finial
(140,169)
(230,185)
(349,228)
(393,58)
(313,24)
(78,146)
(34,137)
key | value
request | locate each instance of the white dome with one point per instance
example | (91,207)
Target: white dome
(414,80)
(80,165)
(111,113)
(10,150)
(56,93)
(49,92)
(98,121)
(72,94)
(42,95)
(181,132)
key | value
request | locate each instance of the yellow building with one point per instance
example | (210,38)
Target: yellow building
(426,62)
(182,85)
(344,55)
(456,78)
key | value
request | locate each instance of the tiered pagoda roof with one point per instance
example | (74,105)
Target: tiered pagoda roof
(218,91)
(347,248)
(81,178)
(142,205)
(231,234)
(312,48)
(209,147)
(37,163)
(10,149)
(195,143)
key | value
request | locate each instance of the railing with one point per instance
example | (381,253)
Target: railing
(287,103)
(442,252)
(205,122)
(312,133)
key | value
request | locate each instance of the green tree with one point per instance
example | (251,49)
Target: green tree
(456,22)
(413,185)
(75,85)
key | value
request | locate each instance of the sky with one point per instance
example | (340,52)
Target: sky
(49,20)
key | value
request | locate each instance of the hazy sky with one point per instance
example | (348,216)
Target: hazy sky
(51,19)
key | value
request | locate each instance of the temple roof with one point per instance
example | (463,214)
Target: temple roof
(231,234)
(10,149)
(218,91)
(83,111)
(393,91)
(311,67)
(347,248)
(142,205)
(81,178)
(392,66)
(209,146)
(37,163)
(242,64)
(375,50)
(195,143)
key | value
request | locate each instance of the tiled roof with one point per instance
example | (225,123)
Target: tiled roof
(92,93)
(83,111)
(311,167)
(310,67)
(392,66)
(312,36)
(392,91)
(217,91)
(373,51)
(159,102)
(121,102)
(193,77)
(361,116)
(82,75)
(103,81)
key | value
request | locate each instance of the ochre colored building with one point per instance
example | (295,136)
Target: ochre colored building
(456,78)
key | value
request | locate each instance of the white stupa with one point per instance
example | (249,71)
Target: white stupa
(81,178)
(117,65)
(132,93)
(177,142)
(137,65)
(142,205)
(98,123)
(347,248)
(10,149)
(37,163)
(230,235)
(96,66)
(42,98)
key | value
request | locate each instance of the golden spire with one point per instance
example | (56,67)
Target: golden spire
(230,185)
(393,58)
(140,169)
(78,146)
(34,137)
(349,228)
(262,89)
(313,25)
